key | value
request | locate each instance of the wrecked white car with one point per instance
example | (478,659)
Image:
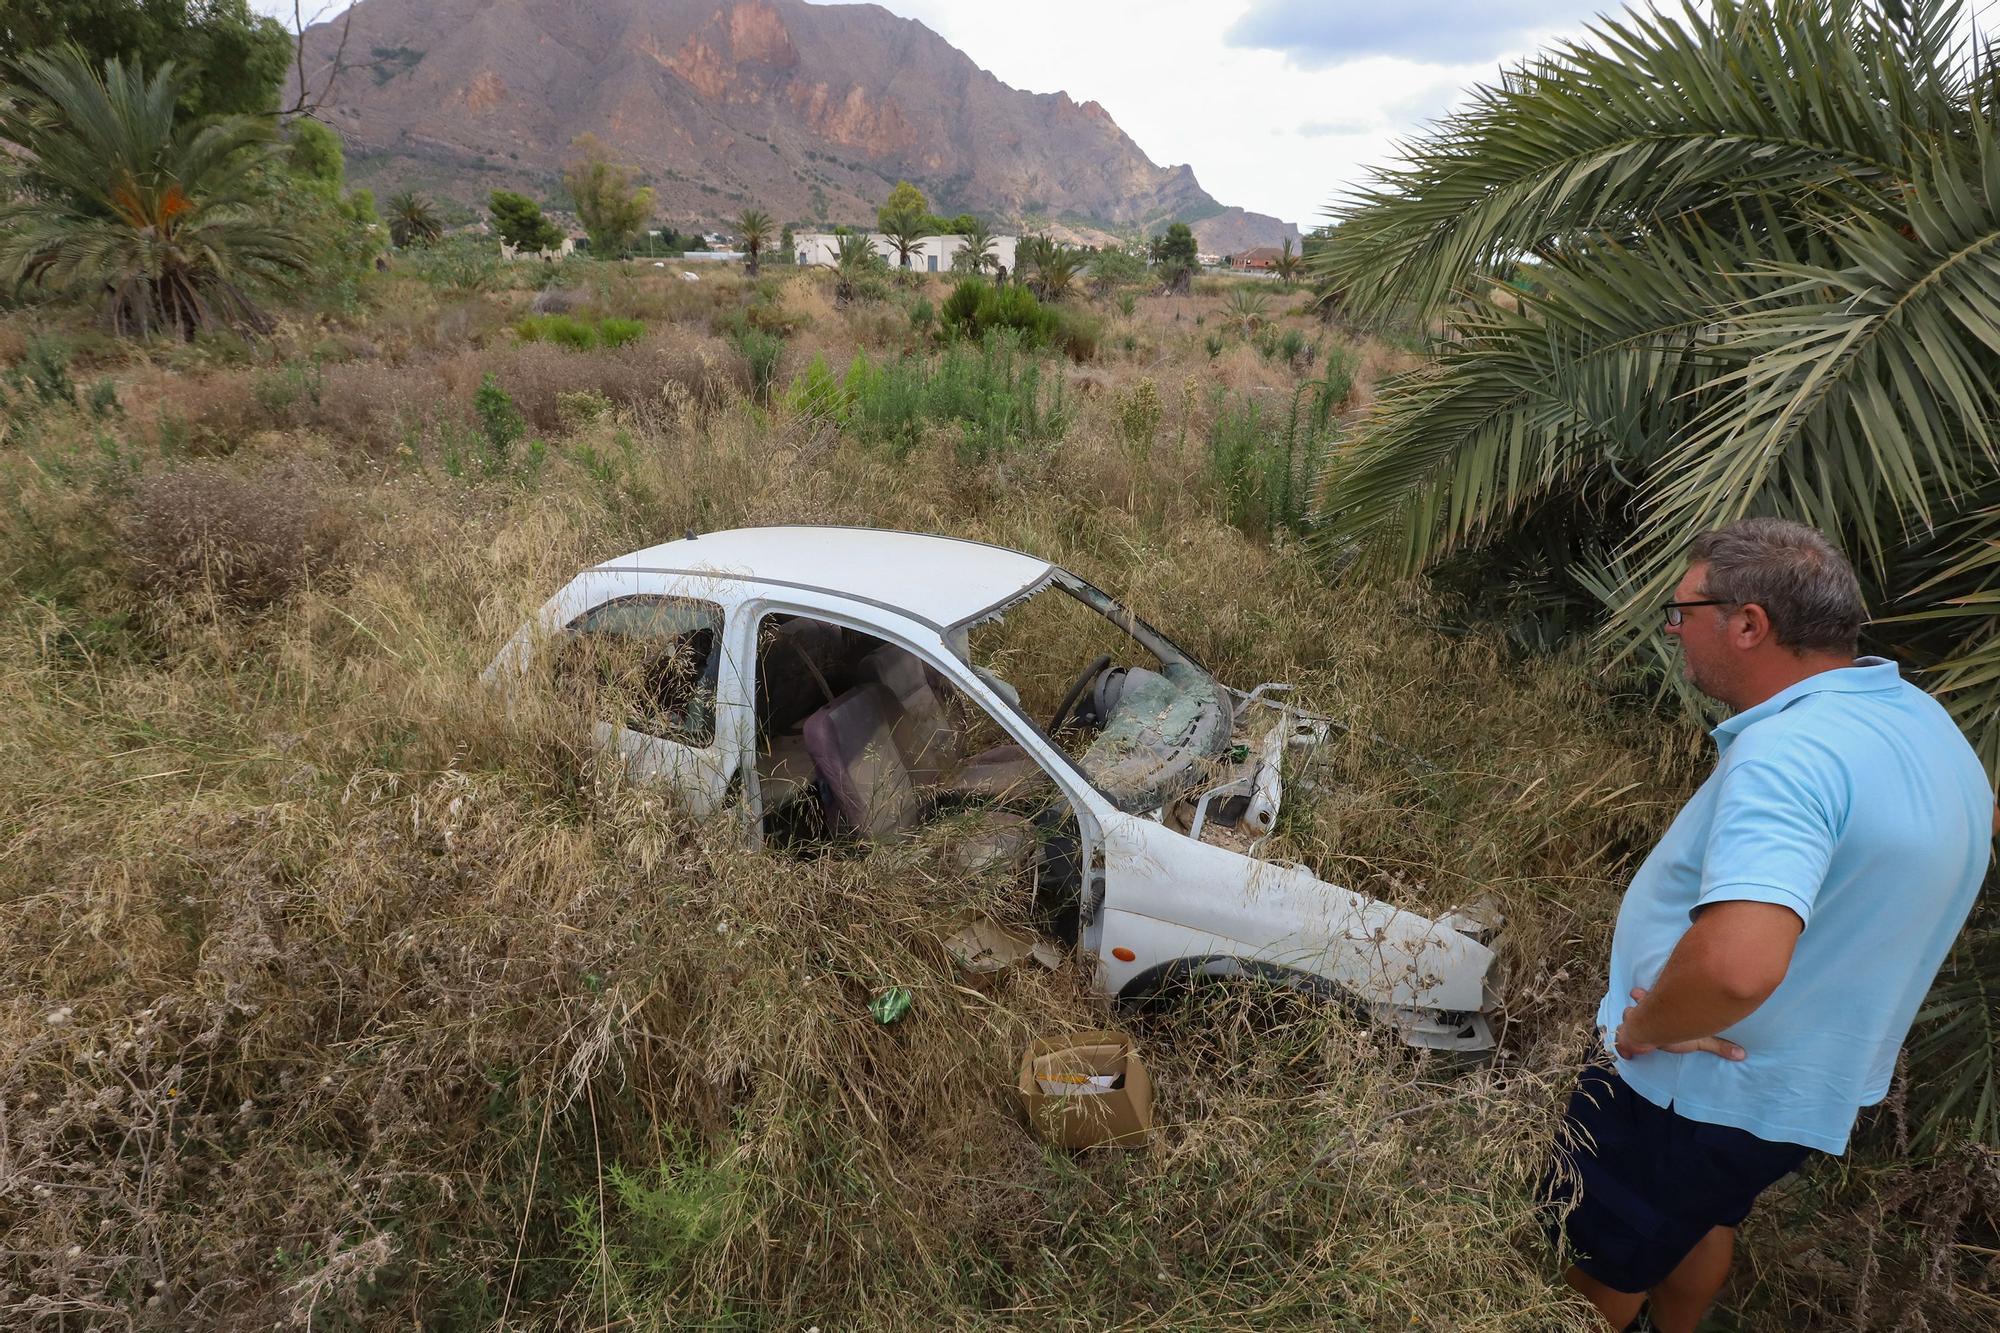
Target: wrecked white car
(840,683)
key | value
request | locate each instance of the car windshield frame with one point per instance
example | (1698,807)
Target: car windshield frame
(957,640)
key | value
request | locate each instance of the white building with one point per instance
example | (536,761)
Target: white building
(567,247)
(932,255)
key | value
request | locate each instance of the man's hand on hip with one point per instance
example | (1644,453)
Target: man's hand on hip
(1629,1049)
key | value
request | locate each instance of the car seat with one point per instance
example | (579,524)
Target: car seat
(931,736)
(872,793)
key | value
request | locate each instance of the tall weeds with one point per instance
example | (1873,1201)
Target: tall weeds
(343,992)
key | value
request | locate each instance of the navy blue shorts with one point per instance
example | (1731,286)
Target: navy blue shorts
(1653,1182)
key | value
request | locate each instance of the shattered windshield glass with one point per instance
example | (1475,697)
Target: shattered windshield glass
(1134,713)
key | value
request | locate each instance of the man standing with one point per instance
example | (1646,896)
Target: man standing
(1771,952)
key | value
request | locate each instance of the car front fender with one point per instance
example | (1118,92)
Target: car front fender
(1169,897)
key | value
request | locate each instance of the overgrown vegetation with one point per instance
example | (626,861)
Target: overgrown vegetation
(115,199)
(419,1012)
(344,993)
(976,309)
(579,335)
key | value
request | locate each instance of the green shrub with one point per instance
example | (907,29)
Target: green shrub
(1139,412)
(618,332)
(1288,347)
(578,335)
(975,309)
(771,316)
(280,390)
(762,352)
(1330,392)
(1077,333)
(1266,471)
(994,394)
(960,313)
(635,1241)
(459,264)
(41,382)
(575,409)
(816,393)
(1016,308)
(501,424)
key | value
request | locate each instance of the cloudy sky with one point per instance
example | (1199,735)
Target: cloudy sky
(1277,104)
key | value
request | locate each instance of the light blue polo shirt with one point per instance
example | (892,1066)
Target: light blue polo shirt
(1852,799)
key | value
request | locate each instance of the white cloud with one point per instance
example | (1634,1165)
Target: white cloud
(1260,130)
(1317,33)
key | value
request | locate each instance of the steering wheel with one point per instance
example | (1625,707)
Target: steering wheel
(1075,695)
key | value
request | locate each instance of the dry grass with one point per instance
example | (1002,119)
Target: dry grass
(341,995)
(245,540)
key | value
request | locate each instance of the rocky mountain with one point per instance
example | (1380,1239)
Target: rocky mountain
(811,112)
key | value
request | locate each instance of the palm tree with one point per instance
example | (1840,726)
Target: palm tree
(904,232)
(755,228)
(1287,265)
(1766,281)
(854,259)
(412,220)
(1248,304)
(1060,270)
(111,197)
(979,252)
(1051,268)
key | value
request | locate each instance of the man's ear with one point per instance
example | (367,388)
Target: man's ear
(1750,626)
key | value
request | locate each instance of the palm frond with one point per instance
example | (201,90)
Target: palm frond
(1648,118)
(111,194)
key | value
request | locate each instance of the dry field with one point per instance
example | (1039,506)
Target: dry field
(338,997)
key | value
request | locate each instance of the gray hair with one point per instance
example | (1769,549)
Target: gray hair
(1802,581)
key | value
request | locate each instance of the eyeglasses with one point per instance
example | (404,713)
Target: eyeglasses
(1673,609)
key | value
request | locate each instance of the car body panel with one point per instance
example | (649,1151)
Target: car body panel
(942,580)
(1162,885)
(1151,891)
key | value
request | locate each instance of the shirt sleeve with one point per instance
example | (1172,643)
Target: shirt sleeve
(1770,840)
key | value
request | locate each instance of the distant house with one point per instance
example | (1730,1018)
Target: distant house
(567,247)
(931,255)
(1260,260)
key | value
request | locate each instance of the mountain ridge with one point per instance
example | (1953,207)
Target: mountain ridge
(811,112)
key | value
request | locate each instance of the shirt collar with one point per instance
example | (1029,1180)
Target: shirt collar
(1866,676)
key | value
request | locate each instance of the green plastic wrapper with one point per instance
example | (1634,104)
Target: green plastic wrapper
(890,1005)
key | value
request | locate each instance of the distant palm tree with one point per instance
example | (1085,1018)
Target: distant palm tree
(412,220)
(978,253)
(854,259)
(1248,304)
(755,228)
(111,196)
(1051,267)
(1288,265)
(905,233)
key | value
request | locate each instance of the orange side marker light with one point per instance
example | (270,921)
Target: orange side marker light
(1123,954)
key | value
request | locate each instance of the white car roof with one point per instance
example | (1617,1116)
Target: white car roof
(944,580)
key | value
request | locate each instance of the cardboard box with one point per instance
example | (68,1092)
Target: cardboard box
(1085,1113)
(984,950)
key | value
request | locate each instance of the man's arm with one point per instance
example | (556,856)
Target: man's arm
(1728,963)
